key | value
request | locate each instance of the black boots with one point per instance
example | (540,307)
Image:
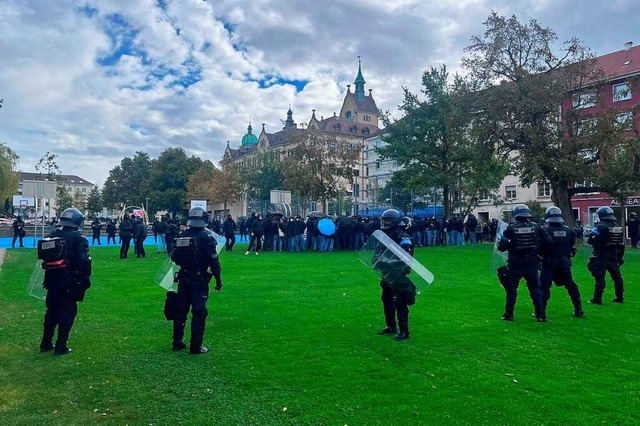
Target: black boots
(387,330)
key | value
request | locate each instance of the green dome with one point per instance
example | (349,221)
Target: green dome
(249,138)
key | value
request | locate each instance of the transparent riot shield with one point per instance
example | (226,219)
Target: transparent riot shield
(35,287)
(165,276)
(499,258)
(387,258)
(220,239)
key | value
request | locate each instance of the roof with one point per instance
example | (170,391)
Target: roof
(621,63)
(67,179)
(343,126)
(283,136)
(364,104)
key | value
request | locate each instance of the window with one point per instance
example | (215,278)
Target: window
(544,189)
(583,100)
(588,154)
(348,116)
(84,190)
(367,117)
(483,195)
(510,191)
(621,92)
(586,184)
(624,121)
(586,126)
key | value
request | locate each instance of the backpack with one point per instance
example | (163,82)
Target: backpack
(53,253)
(185,252)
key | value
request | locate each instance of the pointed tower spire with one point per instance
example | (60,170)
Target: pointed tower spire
(289,121)
(359,81)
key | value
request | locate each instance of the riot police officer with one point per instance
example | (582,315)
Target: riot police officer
(557,252)
(398,291)
(67,277)
(522,239)
(18,231)
(194,250)
(608,252)
(96,226)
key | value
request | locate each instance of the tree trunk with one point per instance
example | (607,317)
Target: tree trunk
(561,197)
(446,202)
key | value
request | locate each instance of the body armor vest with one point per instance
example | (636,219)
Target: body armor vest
(561,236)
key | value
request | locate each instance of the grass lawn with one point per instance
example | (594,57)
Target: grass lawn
(293,342)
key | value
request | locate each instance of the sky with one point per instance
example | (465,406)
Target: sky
(94,81)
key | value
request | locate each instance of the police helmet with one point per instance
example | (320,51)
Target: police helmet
(553,215)
(633,214)
(198,218)
(390,219)
(71,218)
(521,211)
(606,213)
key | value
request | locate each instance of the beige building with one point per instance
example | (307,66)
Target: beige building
(75,185)
(358,120)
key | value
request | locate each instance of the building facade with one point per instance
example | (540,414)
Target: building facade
(358,120)
(79,189)
(619,69)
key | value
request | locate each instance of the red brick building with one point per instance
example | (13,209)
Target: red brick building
(618,93)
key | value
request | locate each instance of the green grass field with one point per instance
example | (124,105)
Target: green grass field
(293,342)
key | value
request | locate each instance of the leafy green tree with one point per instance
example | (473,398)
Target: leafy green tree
(125,183)
(261,179)
(166,186)
(64,199)
(8,172)
(94,202)
(226,185)
(619,171)
(434,146)
(79,201)
(522,81)
(48,168)
(320,164)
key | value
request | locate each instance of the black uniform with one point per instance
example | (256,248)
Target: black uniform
(140,234)
(229,229)
(522,239)
(193,289)
(398,291)
(126,232)
(633,225)
(96,226)
(18,232)
(65,287)
(608,252)
(556,264)
(111,232)
(172,232)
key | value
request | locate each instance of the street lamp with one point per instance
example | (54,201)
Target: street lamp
(146,207)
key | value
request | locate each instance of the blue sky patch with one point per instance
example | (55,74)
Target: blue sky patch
(87,11)
(122,36)
(269,80)
(138,128)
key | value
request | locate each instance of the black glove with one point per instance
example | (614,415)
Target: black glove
(621,262)
(218,286)
(574,251)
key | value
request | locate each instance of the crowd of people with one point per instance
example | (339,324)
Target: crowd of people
(538,253)
(275,232)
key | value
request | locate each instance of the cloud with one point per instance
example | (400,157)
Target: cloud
(95,81)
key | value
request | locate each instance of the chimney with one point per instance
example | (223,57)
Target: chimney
(628,45)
